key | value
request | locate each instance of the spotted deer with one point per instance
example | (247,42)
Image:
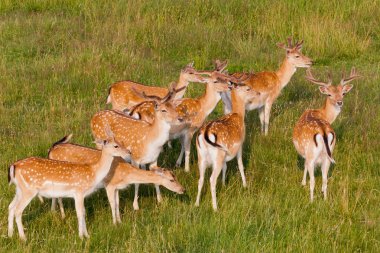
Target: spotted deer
(121,175)
(144,140)
(122,95)
(313,136)
(270,84)
(221,140)
(195,111)
(56,179)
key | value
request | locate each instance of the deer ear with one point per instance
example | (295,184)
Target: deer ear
(99,142)
(324,90)
(347,88)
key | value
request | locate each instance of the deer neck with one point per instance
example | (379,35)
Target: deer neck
(238,105)
(159,126)
(182,82)
(139,176)
(330,111)
(209,99)
(285,72)
(102,167)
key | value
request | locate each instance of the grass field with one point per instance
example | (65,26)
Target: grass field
(58,58)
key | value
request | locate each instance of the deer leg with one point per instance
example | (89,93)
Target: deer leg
(22,202)
(135,200)
(241,166)
(53,204)
(79,207)
(262,117)
(310,168)
(224,173)
(187,142)
(11,215)
(60,203)
(267,109)
(325,170)
(180,157)
(202,169)
(158,192)
(117,208)
(111,195)
(217,168)
(304,174)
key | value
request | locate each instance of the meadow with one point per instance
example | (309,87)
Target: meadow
(58,58)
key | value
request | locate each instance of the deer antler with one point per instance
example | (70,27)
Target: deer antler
(311,78)
(143,95)
(290,45)
(353,75)
(220,65)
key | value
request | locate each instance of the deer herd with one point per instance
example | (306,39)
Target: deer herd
(130,137)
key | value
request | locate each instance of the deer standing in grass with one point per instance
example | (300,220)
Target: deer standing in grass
(313,136)
(56,179)
(270,84)
(221,140)
(122,94)
(195,111)
(121,175)
(144,140)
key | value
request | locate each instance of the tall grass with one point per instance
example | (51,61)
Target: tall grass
(58,58)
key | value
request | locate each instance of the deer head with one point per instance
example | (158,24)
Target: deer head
(335,93)
(294,55)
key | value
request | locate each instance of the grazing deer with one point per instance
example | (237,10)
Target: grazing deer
(270,84)
(313,136)
(221,140)
(57,179)
(122,94)
(144,140)
(121,175)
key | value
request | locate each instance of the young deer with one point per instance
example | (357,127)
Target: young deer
(270,84)
(144,140)
(121,175)
(221,140)
(313,136)
(57,179)
(122,95)
(195,111)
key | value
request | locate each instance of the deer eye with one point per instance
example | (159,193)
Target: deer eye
(116,146)
(164,110)
(172,180)
(297,56)
(248,89)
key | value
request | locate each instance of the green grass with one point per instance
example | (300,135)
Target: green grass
(58,58)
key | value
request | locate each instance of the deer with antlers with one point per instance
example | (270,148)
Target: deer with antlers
(221,140)
(144,140)
(313,136)
(55,179)
(270,84)
(194,110)
(122,94)
(121,175)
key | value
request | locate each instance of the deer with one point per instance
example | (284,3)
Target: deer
(56,179)
(144,140)
(195,111)
(313,136)
(270,84)
(121,95)
(221,140)
(121,175)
